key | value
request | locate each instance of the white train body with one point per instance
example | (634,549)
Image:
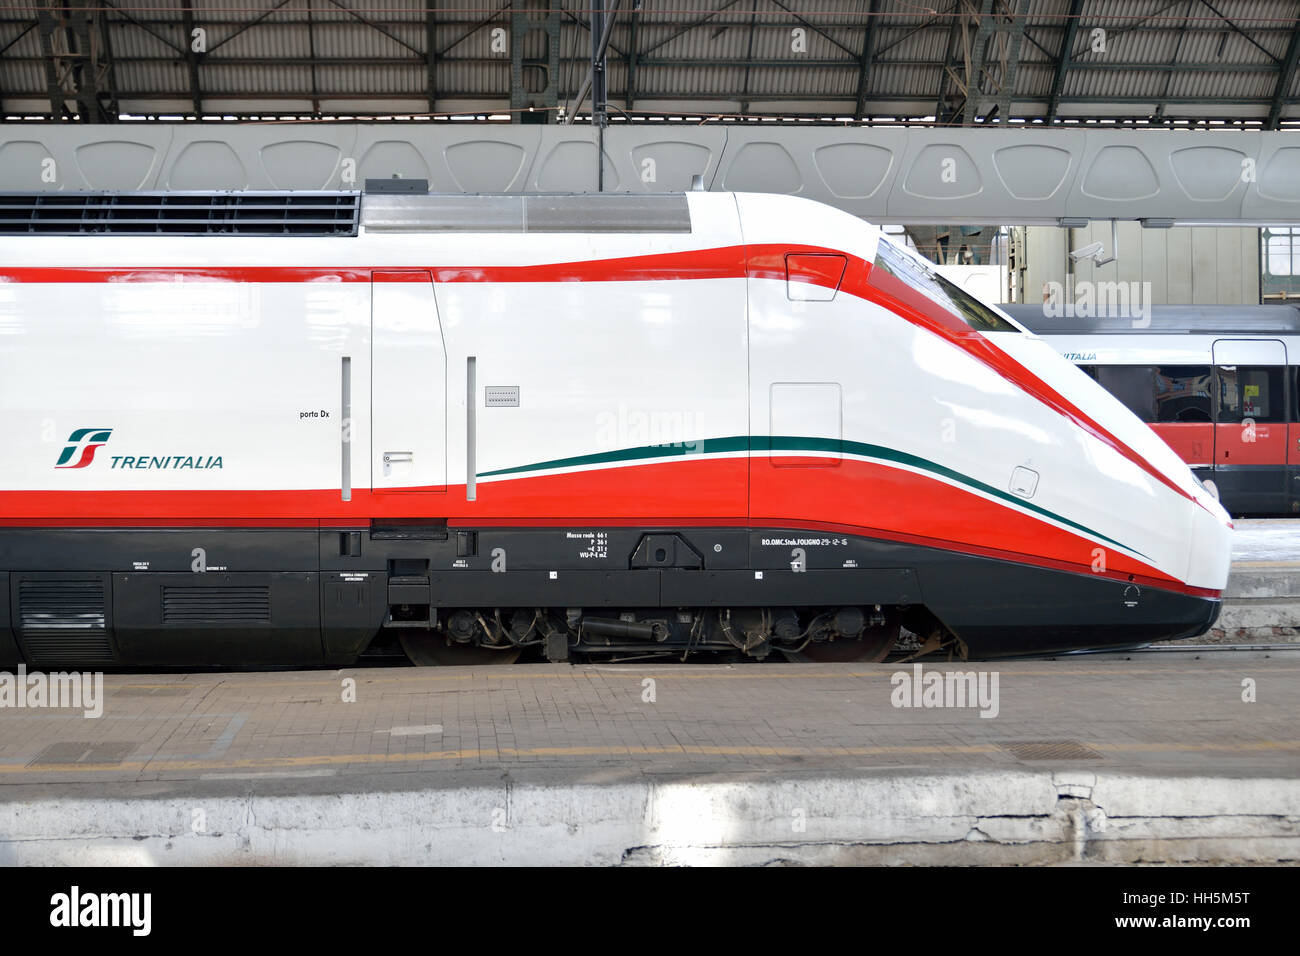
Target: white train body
(756,380)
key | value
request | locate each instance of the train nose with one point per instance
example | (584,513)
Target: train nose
(1210,553)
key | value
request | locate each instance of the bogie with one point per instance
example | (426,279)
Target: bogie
(489,635)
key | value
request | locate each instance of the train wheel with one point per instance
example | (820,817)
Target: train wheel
(432,650)
(874,645)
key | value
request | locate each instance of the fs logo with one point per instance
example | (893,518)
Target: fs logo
(81,447)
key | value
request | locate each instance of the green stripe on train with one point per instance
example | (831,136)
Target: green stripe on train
(789,443)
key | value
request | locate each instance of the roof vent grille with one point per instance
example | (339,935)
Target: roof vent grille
(180,214)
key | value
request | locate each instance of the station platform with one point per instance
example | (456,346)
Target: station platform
(1151,759)
(1262,600)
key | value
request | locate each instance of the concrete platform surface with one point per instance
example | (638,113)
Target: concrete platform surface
(1266,539)
(1150,759)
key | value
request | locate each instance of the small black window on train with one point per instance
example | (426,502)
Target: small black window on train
(1134,385)
(1254,392)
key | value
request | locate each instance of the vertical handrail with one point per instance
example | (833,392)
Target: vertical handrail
(345,430)
(471,429)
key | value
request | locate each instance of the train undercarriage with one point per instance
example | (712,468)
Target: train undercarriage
(504,636)
(116,598)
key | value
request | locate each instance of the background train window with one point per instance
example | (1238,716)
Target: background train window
(1134,385)
(1088,370)
(1183,393)
(1255,393)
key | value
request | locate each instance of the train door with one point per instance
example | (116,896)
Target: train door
(1293,441)
(408,450)
(1250,425)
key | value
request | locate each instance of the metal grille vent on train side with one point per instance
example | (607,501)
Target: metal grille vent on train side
(227,605)
(180,214)
(609,212)
(64,622)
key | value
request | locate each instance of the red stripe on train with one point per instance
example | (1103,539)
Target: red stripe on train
(727,262)
(865,498)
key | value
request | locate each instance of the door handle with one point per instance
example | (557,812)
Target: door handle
(398,464)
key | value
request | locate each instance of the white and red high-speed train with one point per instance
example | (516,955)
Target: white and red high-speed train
(254,428)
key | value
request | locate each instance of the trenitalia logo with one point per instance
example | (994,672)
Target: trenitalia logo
(83,442)
(81,446)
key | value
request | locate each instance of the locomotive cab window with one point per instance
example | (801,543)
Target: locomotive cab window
(915,273)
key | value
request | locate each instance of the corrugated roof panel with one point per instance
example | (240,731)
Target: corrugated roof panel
(266,41)
(129,41)
(361,42)
(1035,80)
(458,40)
(658,81)
(1111,83)
(485,78)
(907,81)
(1226,46)
(232,80)
(794,81)
(157,77)
(1047,11)
(1159,84)
(707,42)
(1126,44)
(909,43)
(1040,45)
(23,77)
(20,42)
(686,48)
(1214,86)
(345,80)
(685,11)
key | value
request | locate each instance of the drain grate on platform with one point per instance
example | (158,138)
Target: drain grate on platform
(1051,750)
(69,752)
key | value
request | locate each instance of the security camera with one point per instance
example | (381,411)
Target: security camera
(1092,250)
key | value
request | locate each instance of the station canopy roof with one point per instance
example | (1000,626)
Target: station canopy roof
(964,62)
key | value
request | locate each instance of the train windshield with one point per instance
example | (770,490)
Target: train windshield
(916,274)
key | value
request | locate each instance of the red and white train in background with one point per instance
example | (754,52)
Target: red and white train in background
(1219,383)
(248,428)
